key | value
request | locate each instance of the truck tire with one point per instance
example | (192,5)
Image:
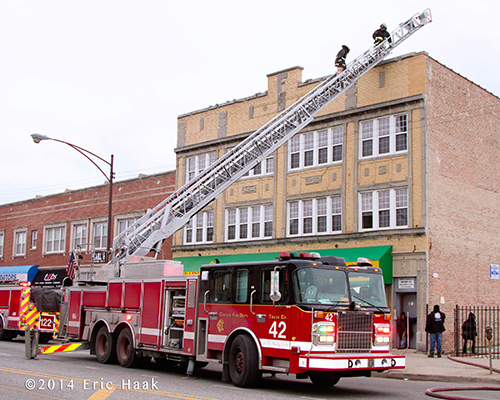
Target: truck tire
(324,378)
(6,334)
(125,351)
(105,346)
(244,362)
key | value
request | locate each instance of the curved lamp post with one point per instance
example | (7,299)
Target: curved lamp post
(37,138)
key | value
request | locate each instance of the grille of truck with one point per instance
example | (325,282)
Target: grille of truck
(354,332)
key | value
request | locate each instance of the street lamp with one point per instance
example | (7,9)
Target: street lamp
(37,138)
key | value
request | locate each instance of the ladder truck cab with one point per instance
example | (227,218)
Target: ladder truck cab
(299,314)
(30,298)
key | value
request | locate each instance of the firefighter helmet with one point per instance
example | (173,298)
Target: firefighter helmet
(383,26)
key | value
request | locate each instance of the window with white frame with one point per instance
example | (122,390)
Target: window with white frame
(249,223)
(80,236)
(197,164)
(200,228)
(124,224)
(2,236)
(384,209)
(384,136)
(315,216)
(100,235)
(20,242)
(265,167)
(316,148)
(55,239)
(34,239)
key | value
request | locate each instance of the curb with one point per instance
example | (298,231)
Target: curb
(437,378)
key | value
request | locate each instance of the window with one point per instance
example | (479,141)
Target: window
(100,231)
(200,229)
(196,164)
(34,239)
(222,286)
(388,135)
(241,286)
(265,167)
(249,223)
(315,216)
(316,148)
(20,243)
(2,235)
(124,224)
(80,236)
(55,239)
(265,294)
(384,209)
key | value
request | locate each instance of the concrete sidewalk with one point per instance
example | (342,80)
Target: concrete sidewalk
(422,368)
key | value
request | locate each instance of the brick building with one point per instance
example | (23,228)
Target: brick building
(43,231)
(402,169)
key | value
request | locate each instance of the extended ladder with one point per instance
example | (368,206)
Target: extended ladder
(149,232)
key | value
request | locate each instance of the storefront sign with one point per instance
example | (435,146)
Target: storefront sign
(406,283)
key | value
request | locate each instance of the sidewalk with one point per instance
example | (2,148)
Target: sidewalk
(419,367)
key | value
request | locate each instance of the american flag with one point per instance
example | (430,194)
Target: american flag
(72,266)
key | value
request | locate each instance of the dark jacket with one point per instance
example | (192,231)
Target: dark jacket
(341,55)
(469,330)
(435,321)
(381,33)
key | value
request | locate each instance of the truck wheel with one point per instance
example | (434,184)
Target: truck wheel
(127,356)
(5,334)
(105,346)
(243,362)
(324,379)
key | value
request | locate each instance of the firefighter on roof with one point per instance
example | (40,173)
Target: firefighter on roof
(340,59)
(381,34)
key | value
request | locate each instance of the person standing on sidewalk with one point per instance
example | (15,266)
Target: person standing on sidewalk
(434,326)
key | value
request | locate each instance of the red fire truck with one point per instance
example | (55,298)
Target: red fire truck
(299,314)
(28,299)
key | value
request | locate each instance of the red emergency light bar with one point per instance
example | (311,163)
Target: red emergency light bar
(292,255)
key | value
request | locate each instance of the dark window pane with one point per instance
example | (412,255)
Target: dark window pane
(210,234)
(231,231)
(257,169)
(295,160)
(268,229)
(402,217)
(255,230)
(294,226)
(337,153)
(367,220)
(199,235)
(322,224)
(384,218)
(308,158)
(243,231)
(367,148)
(189,234)
(383,145)
(401,144)
(322,156)
(308,222)
(337,223)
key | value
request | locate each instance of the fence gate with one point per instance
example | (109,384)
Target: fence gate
(476,319)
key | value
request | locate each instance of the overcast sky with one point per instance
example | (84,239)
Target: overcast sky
(112,76)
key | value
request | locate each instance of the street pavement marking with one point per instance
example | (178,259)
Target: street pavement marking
(34,394)
(116,386)
(102,394)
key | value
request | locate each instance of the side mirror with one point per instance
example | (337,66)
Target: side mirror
(275,286)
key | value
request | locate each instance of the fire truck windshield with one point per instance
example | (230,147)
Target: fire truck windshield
(367,289)
(320,286)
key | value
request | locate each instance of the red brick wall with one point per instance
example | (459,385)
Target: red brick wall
(135,195)
(463,164)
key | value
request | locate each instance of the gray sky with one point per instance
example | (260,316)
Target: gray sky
(112,76)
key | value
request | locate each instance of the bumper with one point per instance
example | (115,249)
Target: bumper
(351,362)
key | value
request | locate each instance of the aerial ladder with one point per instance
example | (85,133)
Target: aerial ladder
(149,232)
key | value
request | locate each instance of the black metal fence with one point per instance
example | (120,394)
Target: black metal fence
(471,323)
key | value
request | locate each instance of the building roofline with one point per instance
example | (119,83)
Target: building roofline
(307,82)
(71,191)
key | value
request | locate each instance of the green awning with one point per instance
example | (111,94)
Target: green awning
(381,256)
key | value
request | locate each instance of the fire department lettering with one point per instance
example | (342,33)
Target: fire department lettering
(277,316)
(220,325)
